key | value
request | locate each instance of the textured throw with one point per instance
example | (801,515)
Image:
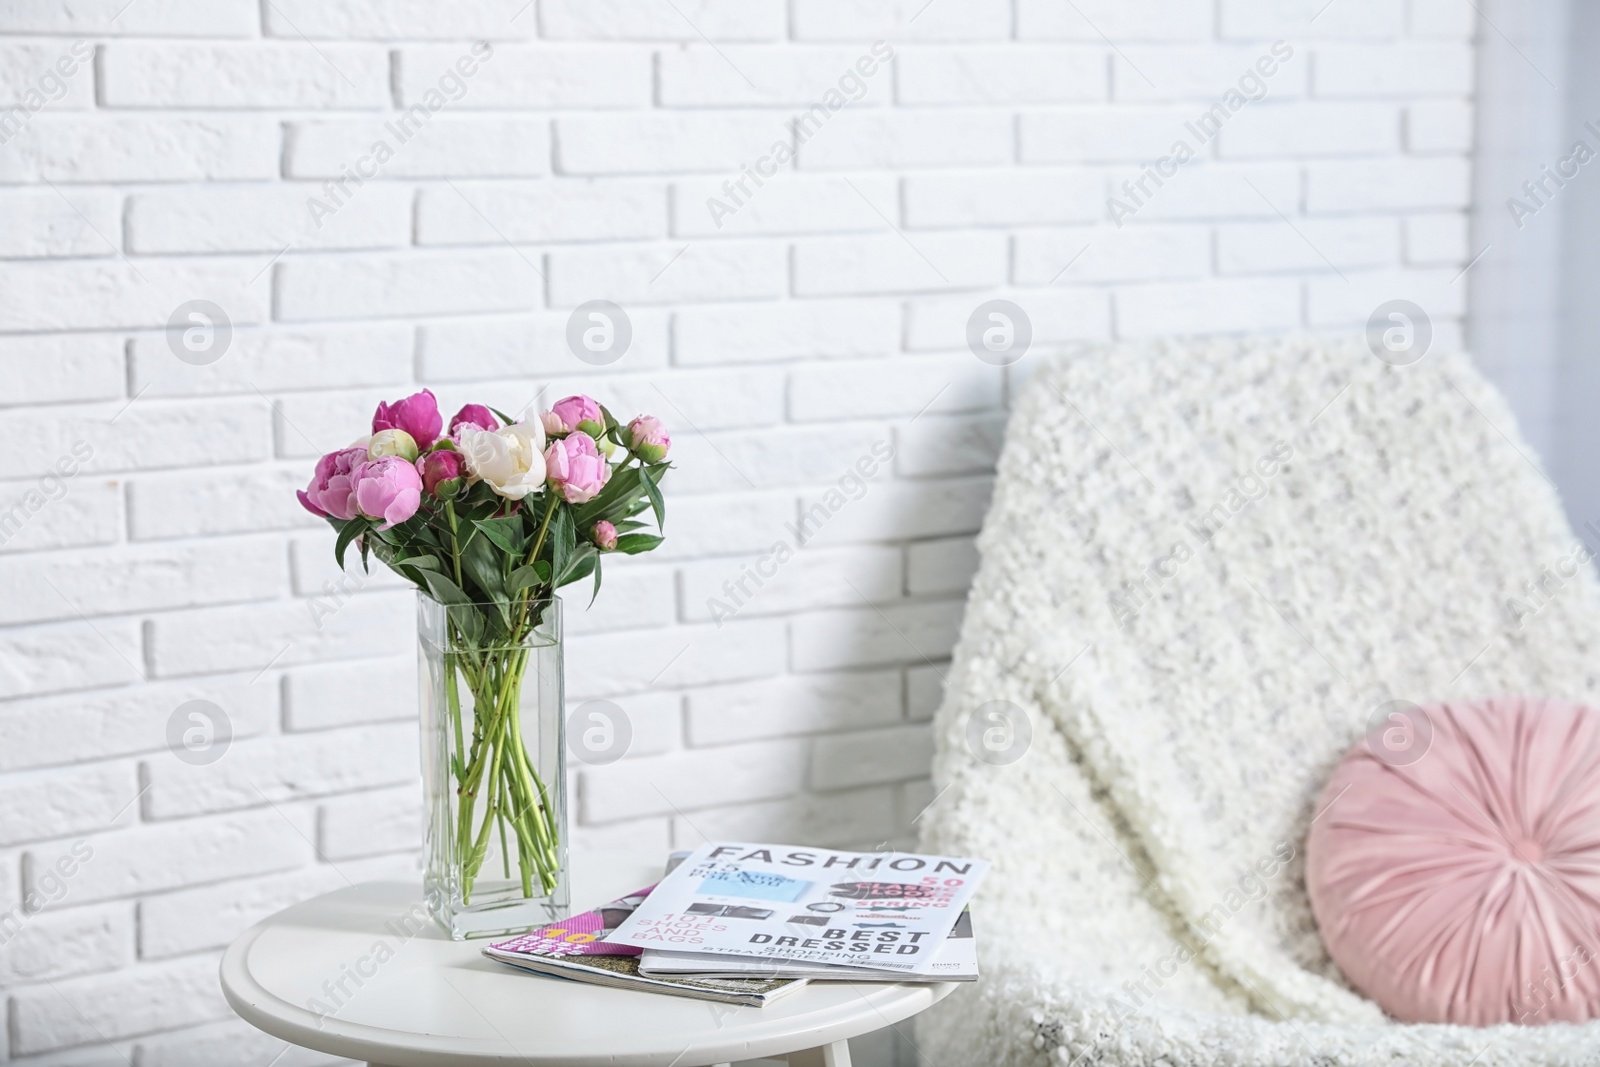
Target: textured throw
(1208,563)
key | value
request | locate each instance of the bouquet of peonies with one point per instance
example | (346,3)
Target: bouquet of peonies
(489,517)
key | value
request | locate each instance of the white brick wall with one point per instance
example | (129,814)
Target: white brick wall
(783,340)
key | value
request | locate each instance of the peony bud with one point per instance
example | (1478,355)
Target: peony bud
(579,413)
(442,468)
(392,443)
(648,439)
(605,535)
(553,426)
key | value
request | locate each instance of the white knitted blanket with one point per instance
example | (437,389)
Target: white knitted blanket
(1207,563)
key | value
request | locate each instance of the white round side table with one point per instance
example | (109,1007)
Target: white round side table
(357,973)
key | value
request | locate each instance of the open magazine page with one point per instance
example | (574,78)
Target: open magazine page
(884,910)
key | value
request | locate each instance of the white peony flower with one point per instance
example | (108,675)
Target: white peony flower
(510,460)
(392,443)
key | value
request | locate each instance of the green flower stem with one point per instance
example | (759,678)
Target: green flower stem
(544,529)
(455,540)
(536,805)
(523,845)
(538,542)
(497,768)
(480,846)
(453,703)
(532,799)
(505,853)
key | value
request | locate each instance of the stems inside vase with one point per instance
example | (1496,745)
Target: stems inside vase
(494,768)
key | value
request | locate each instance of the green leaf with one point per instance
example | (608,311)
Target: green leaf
(560,540)
(505,420)
(421,537)
(526,578)
(411,568)
(653,491)
(596,594)
(633,544)
(398,535)
(459,606)
(444,590)
(480,561)
(470,621)
(412,575)
(582,562)
(506,532)
(347,533)
(620,491)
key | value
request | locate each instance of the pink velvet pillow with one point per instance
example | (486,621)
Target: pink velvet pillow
(1454,862)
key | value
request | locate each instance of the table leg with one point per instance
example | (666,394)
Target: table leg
(836,1054)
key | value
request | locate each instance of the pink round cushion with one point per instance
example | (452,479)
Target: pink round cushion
(1456,877)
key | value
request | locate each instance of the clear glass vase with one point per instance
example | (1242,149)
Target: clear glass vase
(493,768)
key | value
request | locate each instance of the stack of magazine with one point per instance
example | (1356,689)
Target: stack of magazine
(748,923)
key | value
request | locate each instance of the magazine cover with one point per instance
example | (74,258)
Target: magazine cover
(955,961)
(576,948)
(883,910)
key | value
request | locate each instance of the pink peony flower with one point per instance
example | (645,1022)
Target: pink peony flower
(605,535)
(473,415)
(442,466)
(418,415)
(649,438)
(576,468)
(576,411)
(389,489)
(331,493)
(553,426)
